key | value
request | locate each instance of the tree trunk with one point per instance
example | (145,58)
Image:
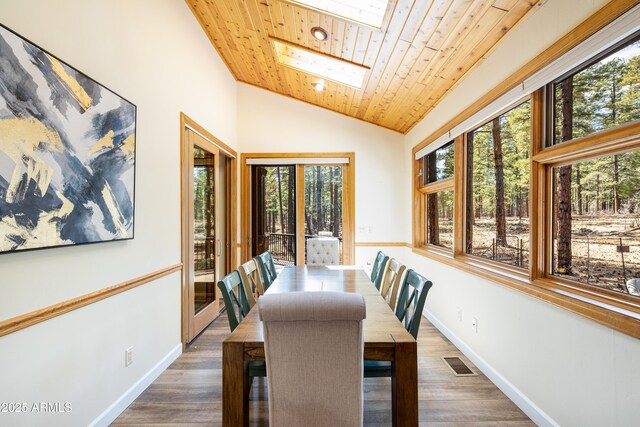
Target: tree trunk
(281,213)
(291,209)
(579,182)
(501,223)
(308,207)
(337,218)
(433,236)
(469,214)
(318,199)
(332,201)
(564,184)
(598,206)
(616,181)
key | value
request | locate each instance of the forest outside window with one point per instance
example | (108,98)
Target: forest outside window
(547,195)
(596,233)
(438,165)
(439,212)
(438,202)
(600,96)
(497,188)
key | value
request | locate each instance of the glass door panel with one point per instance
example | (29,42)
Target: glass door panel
(323,202)
(204,235)
(201,257)
(274,212)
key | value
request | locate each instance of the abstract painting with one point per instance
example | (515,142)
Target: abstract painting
(67,153)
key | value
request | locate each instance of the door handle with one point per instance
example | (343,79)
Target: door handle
(219,248)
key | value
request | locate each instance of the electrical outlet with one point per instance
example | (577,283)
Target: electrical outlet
(459,314)
(474,324)
(128,357)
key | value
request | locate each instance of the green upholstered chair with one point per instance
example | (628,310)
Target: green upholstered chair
(237,306)
(378,268)
(413,294)
(235,298)
(267,269)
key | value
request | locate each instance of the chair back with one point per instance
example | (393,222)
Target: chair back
(413,295)
(378,267)
(391,282)
(267,269)
(323,251)
(304,389)
(252,281)
(235,298)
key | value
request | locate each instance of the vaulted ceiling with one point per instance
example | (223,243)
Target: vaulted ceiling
(422,49)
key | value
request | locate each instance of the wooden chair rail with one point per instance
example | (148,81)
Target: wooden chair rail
(28,319)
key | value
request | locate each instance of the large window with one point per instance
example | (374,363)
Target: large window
(497,182)
(601,96)
(545,197)
(439,213)
(437,197)
(438,165)
(597,227)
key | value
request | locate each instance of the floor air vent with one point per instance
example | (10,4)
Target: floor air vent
(458,367)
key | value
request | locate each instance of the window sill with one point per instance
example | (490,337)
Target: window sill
(616,312)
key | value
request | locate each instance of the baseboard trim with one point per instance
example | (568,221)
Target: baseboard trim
(117,407)
(536,414)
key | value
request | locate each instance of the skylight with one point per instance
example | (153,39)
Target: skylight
(368,12)
(320,65)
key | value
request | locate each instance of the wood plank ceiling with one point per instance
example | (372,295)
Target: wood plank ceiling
(422,51)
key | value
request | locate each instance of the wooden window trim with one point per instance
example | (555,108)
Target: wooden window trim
(609,308)
(616,140)
(617,314)
(435,187)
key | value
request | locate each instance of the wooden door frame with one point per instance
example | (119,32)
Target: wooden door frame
(348,201)
(186,240)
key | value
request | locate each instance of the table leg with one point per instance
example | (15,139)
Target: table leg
(404,385)
(235,385)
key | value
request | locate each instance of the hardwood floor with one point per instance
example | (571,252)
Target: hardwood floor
(189,392)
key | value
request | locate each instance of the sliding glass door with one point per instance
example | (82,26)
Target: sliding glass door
(291,203)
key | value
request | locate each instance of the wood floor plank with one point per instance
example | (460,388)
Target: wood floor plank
(189,392)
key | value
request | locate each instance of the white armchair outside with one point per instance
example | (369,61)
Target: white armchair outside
(323,251)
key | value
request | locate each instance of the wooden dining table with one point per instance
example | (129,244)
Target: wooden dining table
(385,339)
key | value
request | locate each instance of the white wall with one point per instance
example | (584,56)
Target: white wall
(155,54)
(575,371)
(275,123)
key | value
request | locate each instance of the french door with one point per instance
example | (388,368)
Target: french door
(205,231)
(290,203)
